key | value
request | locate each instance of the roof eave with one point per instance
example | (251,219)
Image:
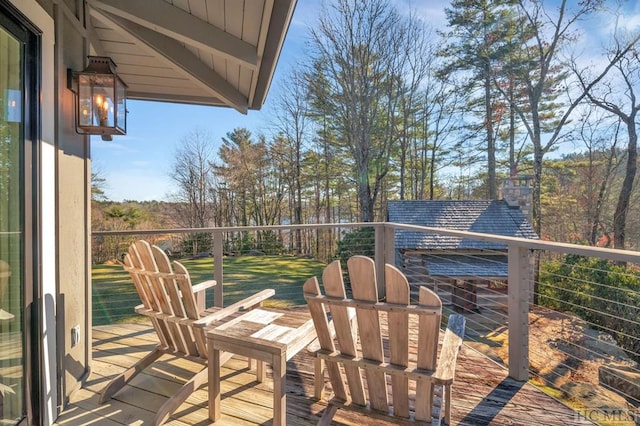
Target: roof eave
(278,28)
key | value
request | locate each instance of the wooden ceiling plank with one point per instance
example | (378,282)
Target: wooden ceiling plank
(182,4)
(245,80)
(215,13)
(162,17)
(162,97)
(198,8)
(181,58)
(94,39)
(253,21)
(119,48)
(136,80)
(141,59)
(233,18)
(148,71)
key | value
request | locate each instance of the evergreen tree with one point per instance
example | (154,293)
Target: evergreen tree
(477,32)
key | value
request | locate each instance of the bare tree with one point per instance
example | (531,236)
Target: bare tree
(418,68)
(192,172)
(600,137)
(617,95)
(292,118)
(440,118)
(543,76)
(360,50)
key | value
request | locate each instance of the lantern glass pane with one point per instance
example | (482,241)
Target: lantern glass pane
(85,106)
(121,106)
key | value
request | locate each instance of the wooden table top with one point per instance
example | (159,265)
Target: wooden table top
(269,330)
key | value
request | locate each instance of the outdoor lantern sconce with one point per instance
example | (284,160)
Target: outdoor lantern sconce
(100,99)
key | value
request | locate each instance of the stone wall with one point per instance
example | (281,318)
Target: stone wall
(518,192)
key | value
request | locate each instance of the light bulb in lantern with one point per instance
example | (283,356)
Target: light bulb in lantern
(105,110)
(102,106)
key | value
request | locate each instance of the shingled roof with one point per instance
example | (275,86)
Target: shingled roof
(487,217)
(495,266)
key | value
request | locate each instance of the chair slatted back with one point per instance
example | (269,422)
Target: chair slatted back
(359,348)
(166,293)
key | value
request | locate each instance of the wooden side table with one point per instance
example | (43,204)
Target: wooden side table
(270,336)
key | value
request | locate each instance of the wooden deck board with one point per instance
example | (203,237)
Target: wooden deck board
(482,394)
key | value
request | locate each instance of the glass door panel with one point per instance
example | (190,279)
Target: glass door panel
(12,333)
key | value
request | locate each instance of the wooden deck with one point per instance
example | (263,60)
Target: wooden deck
(482,394)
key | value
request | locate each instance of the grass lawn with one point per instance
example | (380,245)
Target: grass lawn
(114,295)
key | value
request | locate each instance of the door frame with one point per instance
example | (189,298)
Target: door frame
(14,22)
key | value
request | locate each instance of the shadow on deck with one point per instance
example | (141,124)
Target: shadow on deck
(482,393)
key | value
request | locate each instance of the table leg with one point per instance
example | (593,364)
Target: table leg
(279,366)
(214,383)
(260,371)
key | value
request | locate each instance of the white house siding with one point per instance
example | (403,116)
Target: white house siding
(72,210)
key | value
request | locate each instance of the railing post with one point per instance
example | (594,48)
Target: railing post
(389,245)
(519,278)
(379,255)
(217,268)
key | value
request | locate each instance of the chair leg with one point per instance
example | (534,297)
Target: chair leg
(318,378)
(446,400)
(328,414)
(119,381)
(176,400)
(440,411)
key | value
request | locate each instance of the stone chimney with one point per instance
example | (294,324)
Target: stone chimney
(517,192)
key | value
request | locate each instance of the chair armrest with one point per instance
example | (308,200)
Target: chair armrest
(204,285)
(314,346)
(243,305)
(199,291)
(140,309)
(453,336)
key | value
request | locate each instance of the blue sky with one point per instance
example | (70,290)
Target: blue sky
(136,166)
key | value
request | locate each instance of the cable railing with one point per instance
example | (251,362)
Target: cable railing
(564,316)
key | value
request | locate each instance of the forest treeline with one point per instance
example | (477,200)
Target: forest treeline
(382,106)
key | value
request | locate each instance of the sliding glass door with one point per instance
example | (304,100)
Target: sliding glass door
(16,291)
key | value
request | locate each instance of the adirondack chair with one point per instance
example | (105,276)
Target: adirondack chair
(170,301)
(367,345)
